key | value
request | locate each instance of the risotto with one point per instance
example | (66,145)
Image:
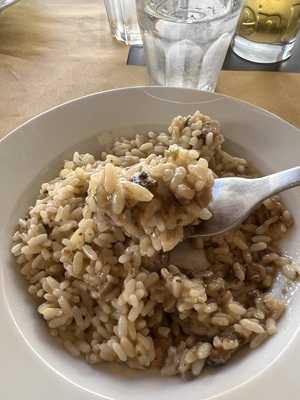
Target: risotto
(94,250)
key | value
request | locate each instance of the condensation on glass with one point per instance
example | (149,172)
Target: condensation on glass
(186,41)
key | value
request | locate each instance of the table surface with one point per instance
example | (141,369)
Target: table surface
(54,50)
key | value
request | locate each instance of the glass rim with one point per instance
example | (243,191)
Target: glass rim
(235,8)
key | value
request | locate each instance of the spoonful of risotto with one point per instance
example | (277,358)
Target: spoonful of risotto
(163,200)
(233,199)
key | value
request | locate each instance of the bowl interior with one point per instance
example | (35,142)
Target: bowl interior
(34,154)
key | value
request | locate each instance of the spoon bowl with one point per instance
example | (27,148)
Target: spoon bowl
(235,198)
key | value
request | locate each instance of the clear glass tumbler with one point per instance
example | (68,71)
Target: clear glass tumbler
(186,41)
(123,21)
(267,30)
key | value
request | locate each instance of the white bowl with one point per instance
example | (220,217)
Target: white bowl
(33,154)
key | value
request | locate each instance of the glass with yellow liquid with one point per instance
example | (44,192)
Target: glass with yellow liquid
(267,30)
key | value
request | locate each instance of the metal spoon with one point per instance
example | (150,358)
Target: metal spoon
(235,198)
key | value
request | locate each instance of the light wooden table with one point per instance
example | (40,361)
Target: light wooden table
(55,50)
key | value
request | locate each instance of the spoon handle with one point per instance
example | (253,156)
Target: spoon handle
(276,183)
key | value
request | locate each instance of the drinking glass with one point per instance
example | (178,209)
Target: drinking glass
(123,21)
(186,41)
(267,30)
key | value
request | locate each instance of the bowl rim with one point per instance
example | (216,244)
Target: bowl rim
(145,88)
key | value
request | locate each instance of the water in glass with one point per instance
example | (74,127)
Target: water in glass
(123,20)
(186,41)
